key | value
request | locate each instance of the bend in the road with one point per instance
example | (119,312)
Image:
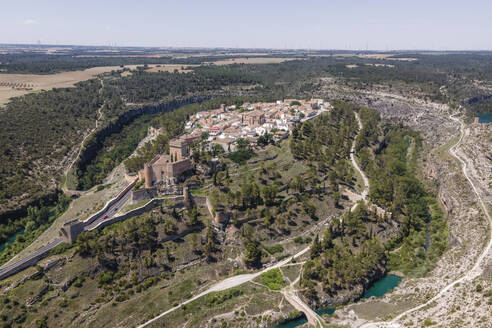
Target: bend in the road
(365,192)
(473,272)
(240,279)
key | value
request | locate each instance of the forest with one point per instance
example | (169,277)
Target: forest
(361,246)
(38,132)
(142,87)
(43,129)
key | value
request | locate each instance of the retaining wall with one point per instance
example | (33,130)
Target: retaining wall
(140,210)
(110,203)
(31,260)
(147,193)
(178,200)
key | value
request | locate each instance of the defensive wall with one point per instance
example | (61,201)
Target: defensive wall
(145,193)
(110,203)
(72,229)
(30,260)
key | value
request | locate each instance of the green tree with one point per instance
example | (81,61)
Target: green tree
(252,256)
(316,248)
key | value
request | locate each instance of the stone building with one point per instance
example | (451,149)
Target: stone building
(166,169)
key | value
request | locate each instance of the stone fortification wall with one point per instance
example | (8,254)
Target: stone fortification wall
(30,260)
(175,169)
(110,203)
(218,216)
(71,229)
(138,211)
(138,195)
(178,201)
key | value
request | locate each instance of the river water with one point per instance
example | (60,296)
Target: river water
(485,118)
(380,288)
(10,240)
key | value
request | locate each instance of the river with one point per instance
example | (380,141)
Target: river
(485,118)
(380,288)
(10,240)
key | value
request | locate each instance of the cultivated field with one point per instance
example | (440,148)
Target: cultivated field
(14,85)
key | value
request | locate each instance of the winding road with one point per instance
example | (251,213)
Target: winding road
(32,259)
(365,192)
(228,283)
(475,270)
(64,187)
(109,213)
(290,294)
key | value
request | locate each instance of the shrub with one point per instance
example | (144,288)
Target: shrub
(221,297)
(121,298)
(274,249)
(106,278)
(429,322)
(273,279)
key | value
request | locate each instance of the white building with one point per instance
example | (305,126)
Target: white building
(260,130)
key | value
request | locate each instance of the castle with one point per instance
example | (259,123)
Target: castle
(166,169)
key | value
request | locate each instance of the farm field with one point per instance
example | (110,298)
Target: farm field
(15,85)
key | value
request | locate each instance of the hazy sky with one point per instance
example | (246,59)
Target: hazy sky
(328,24)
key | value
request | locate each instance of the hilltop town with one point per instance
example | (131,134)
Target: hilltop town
(224,126)
(172,189)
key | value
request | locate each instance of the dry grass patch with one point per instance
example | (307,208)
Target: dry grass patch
(36,82)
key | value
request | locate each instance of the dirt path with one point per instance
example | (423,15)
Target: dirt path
(289,293)
(475,270)
(69,168)
(291,296)
(228,283)
(365,192)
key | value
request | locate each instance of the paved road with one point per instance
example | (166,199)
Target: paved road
(229,283)
(26,262)
(33,258)
(110,212)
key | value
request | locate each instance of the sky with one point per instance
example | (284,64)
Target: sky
(306,24)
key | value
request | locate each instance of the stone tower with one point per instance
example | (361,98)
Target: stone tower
(178,149)
(148,176)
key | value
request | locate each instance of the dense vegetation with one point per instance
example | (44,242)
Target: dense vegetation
(37,113)
(30,227)
(394,186)
(349,255)
(38,131)
(280,196)
(114,149)
(391,164)
(317,141)
(142,87)
(359,247)
(49,64)
(78,59)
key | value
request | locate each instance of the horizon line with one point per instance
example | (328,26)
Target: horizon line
(41,45)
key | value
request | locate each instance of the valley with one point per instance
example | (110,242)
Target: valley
(388,178)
